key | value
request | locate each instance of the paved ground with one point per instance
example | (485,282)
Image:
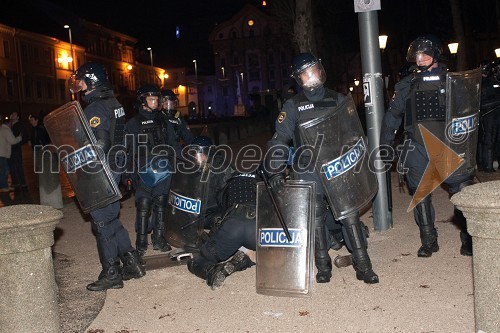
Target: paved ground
(414,294)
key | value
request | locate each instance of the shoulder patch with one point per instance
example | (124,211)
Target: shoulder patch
(281,117)
(95,121)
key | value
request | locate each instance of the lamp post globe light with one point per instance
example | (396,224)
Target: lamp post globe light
(453,47)
(382,41)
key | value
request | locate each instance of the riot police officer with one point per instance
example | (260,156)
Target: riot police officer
(170,102)
(106,118)
(153,151)
(233,228)
(490,111)
(311,103)
(426,83)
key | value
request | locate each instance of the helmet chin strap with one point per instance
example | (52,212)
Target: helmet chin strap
(425,68)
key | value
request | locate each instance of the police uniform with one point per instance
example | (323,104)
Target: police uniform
(180,127)
(233,230)
(305,106)
(106,118)
(420,98)
(488,125)
(151,194)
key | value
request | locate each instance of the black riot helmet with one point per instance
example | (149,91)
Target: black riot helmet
(146,91)
(425,44)
(94,74)
(169,100)
(308,71)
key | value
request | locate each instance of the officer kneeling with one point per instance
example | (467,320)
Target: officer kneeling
(232,229)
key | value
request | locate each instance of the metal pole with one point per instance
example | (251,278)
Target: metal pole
(196,85)
(71,48)
(151,59)
(374,104)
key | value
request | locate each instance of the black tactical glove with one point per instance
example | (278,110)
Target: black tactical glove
(128,181)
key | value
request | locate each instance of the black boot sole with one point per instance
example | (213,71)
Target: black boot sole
(425,252)
(368,277)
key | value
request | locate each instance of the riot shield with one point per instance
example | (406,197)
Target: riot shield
(285,268)
(86,167)
(186,208)
(342,160)
(463,97)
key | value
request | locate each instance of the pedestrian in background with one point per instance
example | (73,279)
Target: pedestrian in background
(7,139)
(16,157)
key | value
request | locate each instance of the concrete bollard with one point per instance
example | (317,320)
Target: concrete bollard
(49,182)
(28,288)
(481,207)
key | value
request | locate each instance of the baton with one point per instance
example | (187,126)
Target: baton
(275,204)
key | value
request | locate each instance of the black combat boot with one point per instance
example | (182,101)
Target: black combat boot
(158,236)
(200,266)
(143,206)
(132,267)
(109,278)
(360,258)
(239,262)
(321,257)
(466,248)
(465,237)
(428,234)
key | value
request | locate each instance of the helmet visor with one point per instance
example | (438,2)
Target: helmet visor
(311,77)
(418,48)
(74,84)
(170,104)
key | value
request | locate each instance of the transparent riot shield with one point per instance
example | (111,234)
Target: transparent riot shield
(463,97)
(86,166)
(285,268)
(342,160)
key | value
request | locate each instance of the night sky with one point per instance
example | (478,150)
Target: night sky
(153,22)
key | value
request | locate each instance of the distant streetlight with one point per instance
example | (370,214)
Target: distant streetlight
(382,41)
(356,82)
(351,88)
(70,47)
(453,48)
(497,52)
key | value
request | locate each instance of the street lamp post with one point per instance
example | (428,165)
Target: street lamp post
(70,47)
(196,85)
(151,60)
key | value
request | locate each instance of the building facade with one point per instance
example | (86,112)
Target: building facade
(252,62)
